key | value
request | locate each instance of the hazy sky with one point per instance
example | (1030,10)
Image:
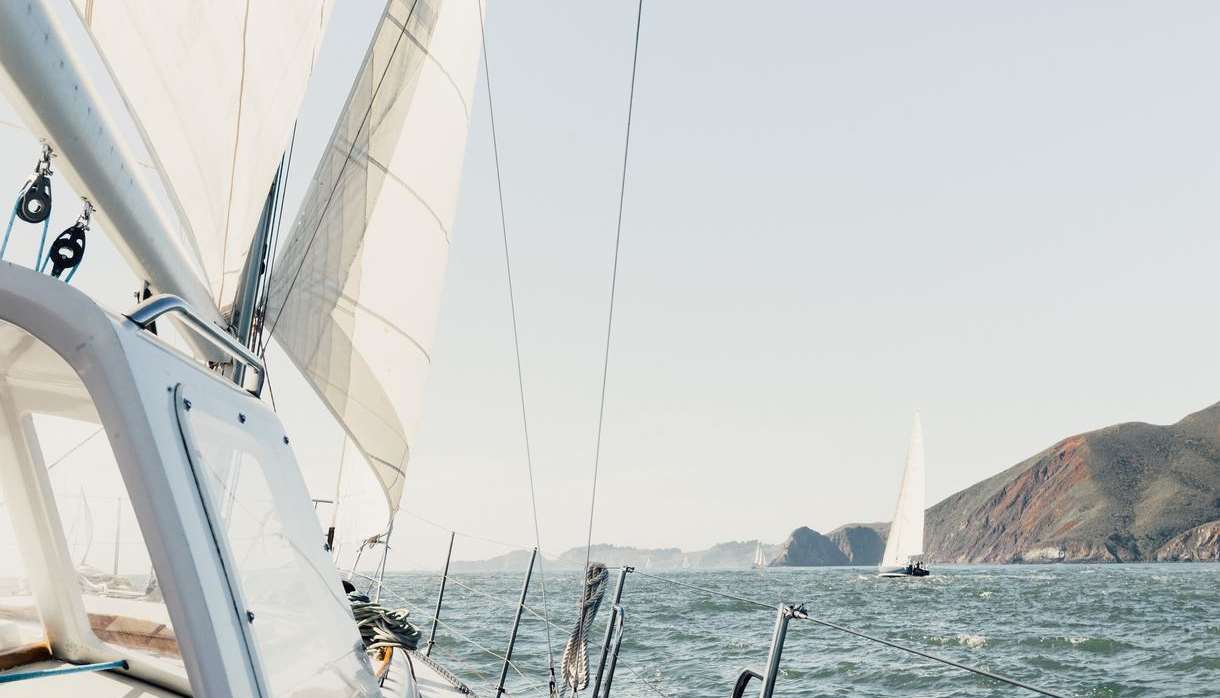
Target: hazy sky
(1002,215)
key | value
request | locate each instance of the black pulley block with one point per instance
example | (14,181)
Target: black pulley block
(35,204)
(67,250)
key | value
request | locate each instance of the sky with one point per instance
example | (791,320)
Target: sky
(1002,216)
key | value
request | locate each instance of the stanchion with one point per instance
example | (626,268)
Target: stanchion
(512,638)
(440,598)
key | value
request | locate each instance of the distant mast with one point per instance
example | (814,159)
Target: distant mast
(905,542)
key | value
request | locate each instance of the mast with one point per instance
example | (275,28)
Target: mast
(244,303)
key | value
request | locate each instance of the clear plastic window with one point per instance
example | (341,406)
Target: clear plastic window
(302,624)
(111,560)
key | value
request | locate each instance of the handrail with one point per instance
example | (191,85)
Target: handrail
(147,312)
(743,680)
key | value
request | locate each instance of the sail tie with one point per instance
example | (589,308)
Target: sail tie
(33,203)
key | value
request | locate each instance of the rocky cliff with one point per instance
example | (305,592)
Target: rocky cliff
(1124,493)
(862,544)
(808,548)
(1117,494)
(1198,544)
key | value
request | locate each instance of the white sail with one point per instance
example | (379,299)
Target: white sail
(906,532)
(354,294)
(214,87)
(760,559)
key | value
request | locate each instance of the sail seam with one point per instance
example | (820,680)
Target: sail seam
(439,66)
(411,190)
(241,98)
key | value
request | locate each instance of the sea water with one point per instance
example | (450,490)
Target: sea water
(1077,630)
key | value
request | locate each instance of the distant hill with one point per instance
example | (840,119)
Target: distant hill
(1128,492)
(730,555)
(1121,493)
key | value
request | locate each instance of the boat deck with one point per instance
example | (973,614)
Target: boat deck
(434,680)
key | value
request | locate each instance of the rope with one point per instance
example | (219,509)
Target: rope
(456,633)
(512,304)
(618,235)
(935,658)
(339,177)
(42,243)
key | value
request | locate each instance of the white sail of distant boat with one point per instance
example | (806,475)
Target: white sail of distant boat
(760,559)
(686,562)
(904,546)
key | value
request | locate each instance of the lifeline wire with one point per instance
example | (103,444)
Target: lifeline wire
(925,655)
(618,236)
(512,304)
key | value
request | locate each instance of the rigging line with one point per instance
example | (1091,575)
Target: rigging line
(471,536)
(364,121)
(935,658)
(710,592)
(512,304)
(74,449)
(618,236)
(273,244)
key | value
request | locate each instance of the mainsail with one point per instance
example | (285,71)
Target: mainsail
(906,532)
(214,88)
(354,295)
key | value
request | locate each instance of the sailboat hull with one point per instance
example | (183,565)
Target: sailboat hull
(902,572)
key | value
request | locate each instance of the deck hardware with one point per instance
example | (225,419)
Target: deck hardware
(144,314)
(241,417)
(34,204)
(512,638)
(743,680)
(782,616)
(440,597)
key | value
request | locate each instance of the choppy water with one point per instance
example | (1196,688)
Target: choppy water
(1105,630)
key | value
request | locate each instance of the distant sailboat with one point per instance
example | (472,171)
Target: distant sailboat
(904,548)
(760,559)
(686,562)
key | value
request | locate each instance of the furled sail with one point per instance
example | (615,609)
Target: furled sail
(354,294)
(214,88)
(906,532)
